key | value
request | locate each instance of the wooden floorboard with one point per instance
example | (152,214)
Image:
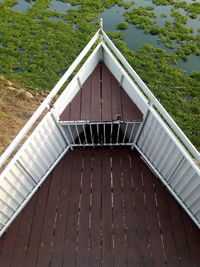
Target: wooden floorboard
(46,241)
(119,231)
(23,234)
(101,207)
(62,215)
(95,248)
(145,255)
(84,214)
(130,210)
(157,248)
(170,248)
(8,242)
(101,98)
(38,221)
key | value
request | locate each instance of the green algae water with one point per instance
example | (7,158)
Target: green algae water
(133,36)
(39,39)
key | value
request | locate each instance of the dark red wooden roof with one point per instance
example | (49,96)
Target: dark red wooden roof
(101,207)
(101,99)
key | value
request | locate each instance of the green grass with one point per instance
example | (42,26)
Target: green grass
(35,51)
(169,85)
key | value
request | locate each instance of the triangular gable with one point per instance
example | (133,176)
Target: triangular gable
(101,98)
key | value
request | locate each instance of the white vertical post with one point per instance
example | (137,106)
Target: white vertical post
(101,23)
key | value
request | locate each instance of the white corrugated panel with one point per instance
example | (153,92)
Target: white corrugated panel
(170,160)
(28,167)
(72,89)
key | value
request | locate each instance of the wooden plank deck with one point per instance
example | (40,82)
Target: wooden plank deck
(101,99)
(101,207)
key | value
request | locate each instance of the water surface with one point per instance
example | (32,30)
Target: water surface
(135,38)
(22,5)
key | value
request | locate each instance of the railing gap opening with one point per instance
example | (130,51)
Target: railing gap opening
(101,134)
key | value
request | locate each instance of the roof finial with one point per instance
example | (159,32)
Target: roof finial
(101,23)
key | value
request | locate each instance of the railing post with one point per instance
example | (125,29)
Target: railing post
(139,132)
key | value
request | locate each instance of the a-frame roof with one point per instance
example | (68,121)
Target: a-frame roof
(160,142)
(101,98)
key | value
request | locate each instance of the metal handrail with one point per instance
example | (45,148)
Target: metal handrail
(142,86)
(46,101)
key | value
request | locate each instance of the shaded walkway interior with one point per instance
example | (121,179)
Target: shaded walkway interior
(101,207)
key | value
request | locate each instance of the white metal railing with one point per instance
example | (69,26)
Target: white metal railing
(153,99)
(116,133)
(29,167)
(171,163)
(47,101)
(157,143)
(153,139)
(37,157)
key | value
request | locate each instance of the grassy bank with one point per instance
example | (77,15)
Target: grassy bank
(38,45)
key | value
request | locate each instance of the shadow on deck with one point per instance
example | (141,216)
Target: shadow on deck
(101,207)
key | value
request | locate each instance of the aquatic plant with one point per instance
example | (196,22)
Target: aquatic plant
(122,26)
(35,51)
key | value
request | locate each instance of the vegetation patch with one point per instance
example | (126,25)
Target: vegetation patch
(163,2)
(169,84)
(35,51)
(122,26)
(175,34)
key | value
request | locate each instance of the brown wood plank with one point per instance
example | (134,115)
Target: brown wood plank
(143,227)
(75,112)
(107,255)
(193,236)
(180,237)
(62,214)
(166,225)
(120,250)
(96,228)
(65,116)
(106,95)
(130,214)
(34,241)
(44,252)
(84,231)
(153,218)
(69,250)
(9,240)
(143,212)
(21,245)
(86,99)
(96,96)
(101,99)
(130,110)
(116,99)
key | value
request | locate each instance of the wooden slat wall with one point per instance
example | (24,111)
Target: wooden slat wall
(101,98)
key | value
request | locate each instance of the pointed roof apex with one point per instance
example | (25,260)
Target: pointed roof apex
(101,23)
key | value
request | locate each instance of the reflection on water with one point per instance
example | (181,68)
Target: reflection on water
(22,5)
(135,38)
(60,6)
(57,19)
(193,64)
